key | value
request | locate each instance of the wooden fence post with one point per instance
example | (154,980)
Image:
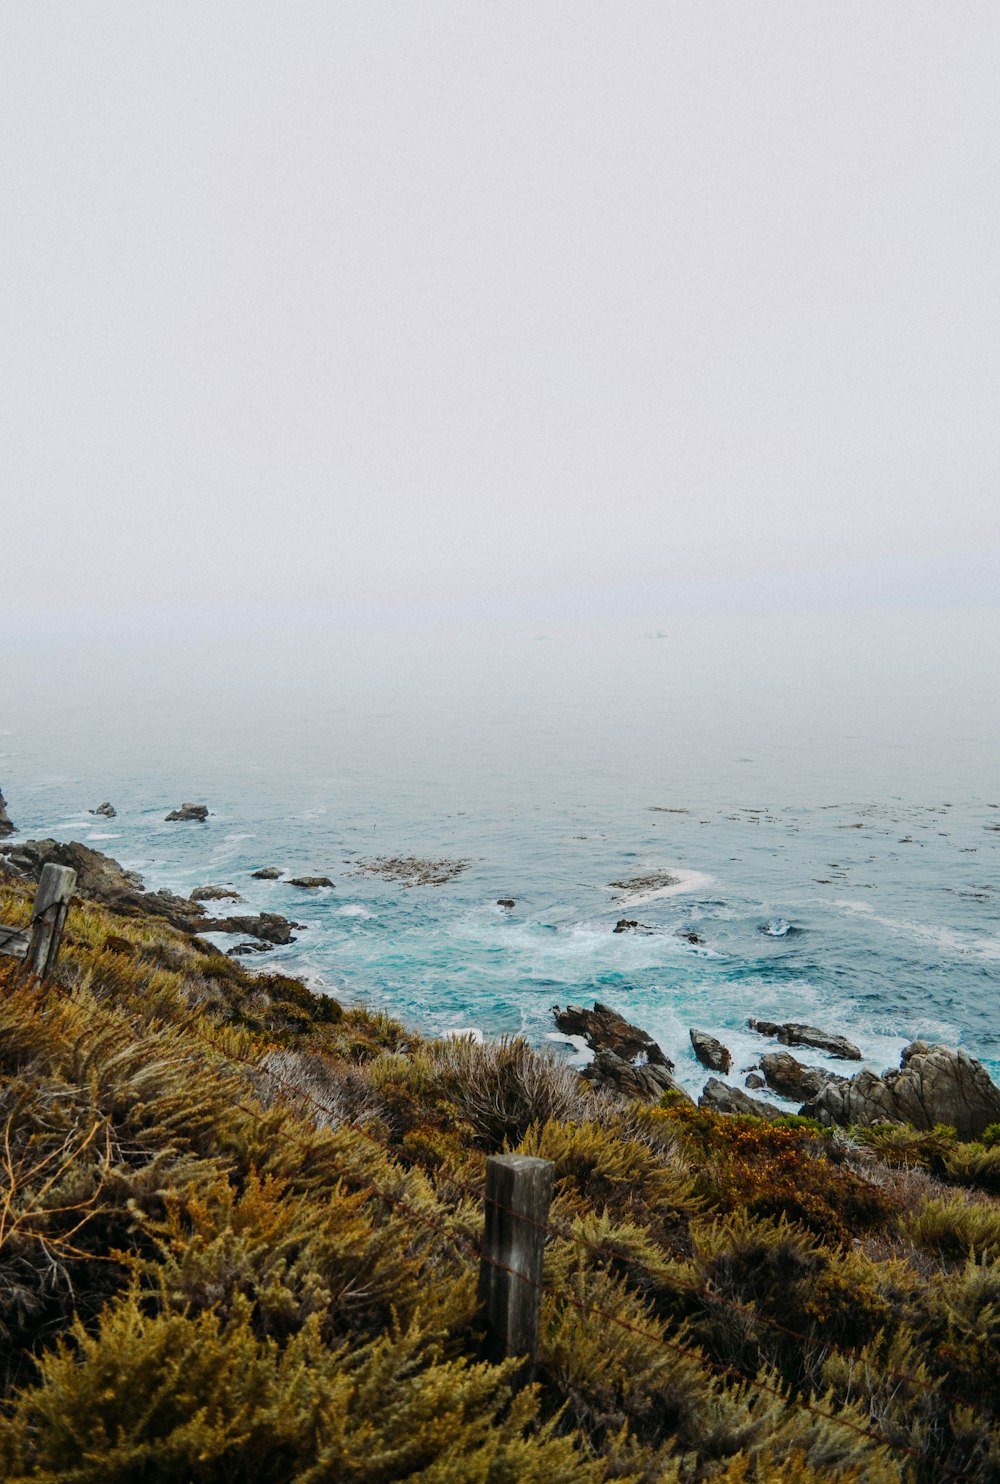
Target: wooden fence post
(518,1192)
(55,887)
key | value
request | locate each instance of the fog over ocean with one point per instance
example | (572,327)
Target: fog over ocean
(825,787)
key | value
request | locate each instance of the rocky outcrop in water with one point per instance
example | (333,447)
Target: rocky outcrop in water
(792,1078)
(215,894)
(267,873)
(107,810)
(412,870)
(630,925)
(312,883)
(710,1052)
(792,1033)
(267,927)
(626,1058)
(198,812)
(934,1084)
(7,825)
(719,1097)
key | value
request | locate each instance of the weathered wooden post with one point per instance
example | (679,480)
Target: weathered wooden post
(518,1192)
(55,887)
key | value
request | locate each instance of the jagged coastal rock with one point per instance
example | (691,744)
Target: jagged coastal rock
(107,809)
(630,925)
(197,812)
(719,1097)
(626,1058)
(97,875)
(934,1084)
(104,880)
(710,1052)
(267,873)
(267,927)
(792,1078)
(7,825)
(792,1033)
(312,883)
(215,894)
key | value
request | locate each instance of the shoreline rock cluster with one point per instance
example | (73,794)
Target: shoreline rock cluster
(625,1057)
(933,1085)
(104,880)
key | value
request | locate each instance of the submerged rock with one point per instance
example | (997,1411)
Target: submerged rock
(630,925)
(412,870)
(650,882)
(7,825)
(197,812)
(507,902)
(719,1097)
(710,1052)
(625,1056)
(792,1033)
(311,882)
(241,950)
(934,1084)
(107,809)
(267,873)
(793,1079)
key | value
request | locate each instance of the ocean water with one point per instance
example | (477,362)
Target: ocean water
(831,812)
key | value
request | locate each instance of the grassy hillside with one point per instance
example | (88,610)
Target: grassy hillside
(239,1240)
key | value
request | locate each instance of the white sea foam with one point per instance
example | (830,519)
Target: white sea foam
(354,909)
(582,1052)
(964,944)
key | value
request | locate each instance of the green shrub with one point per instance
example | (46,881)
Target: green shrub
(163,1398)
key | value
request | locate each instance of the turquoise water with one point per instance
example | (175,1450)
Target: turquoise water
(837,868)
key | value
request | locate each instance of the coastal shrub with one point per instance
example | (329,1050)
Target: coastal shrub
(621,1366)
(497,1091)
(749,1163)
(976,1165)
(290,1257)
(798,1285)
(953,1227)
(897,1145)
(171,1397)
(972,1163)
(958,1320)
(297,1200)
(991,1136)
(599,1168)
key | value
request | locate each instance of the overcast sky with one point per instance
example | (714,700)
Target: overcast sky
(422,307)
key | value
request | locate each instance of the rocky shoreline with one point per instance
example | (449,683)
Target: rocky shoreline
(933,1085)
